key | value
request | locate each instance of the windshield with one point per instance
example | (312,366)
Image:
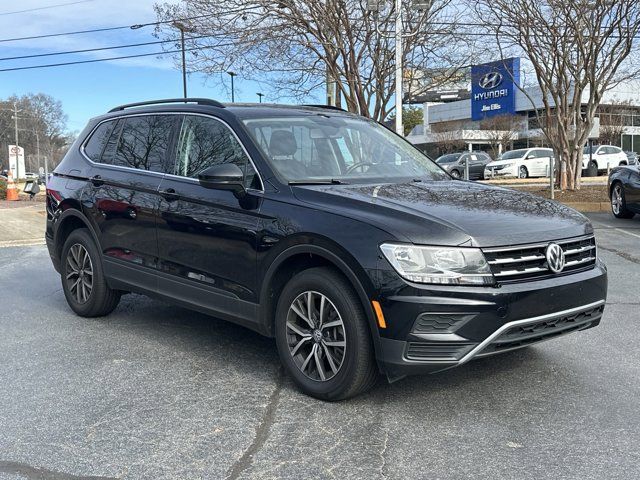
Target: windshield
(322,147)
(452,157)
(513,154)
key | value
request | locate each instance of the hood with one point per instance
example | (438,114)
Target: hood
(450,212)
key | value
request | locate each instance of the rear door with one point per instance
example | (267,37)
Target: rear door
(207,238)
(476,166)
(123,192)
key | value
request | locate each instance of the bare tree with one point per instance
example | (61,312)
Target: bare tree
(449,141)
(297,46)
(612,121)
(41,120)
(578,49)
(501,131)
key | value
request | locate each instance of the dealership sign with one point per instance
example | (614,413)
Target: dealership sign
(16,159)
(493,88)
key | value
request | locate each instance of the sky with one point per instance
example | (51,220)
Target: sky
(92,89)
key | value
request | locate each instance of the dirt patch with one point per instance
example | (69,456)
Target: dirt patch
(591,193)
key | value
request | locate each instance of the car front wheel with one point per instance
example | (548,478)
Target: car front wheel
(83,282)
(322,336)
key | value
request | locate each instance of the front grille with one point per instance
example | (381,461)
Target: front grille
(528,262)
(522,335)
(443,351)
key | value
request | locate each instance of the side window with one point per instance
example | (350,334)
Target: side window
(144,142)
(531,154)
(205,142)
(94,147)
(109,151)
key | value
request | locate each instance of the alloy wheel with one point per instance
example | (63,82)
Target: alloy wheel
(522,173)
(79,273)
(616,199)
(316,336)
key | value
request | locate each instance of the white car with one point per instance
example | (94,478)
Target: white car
(523,163)
(603,157)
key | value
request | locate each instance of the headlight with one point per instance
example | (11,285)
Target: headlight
(507,165)
(444,265)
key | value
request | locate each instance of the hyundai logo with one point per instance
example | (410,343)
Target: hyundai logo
(490,80)
(555,257)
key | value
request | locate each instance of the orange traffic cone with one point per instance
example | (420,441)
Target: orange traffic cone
(12,191)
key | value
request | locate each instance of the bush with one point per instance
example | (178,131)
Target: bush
(3,189)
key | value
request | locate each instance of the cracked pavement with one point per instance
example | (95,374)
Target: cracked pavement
(158,392)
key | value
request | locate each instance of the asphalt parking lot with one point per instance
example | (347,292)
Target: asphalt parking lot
(158,392)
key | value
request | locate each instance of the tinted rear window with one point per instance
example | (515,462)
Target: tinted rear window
(144,142)
(98,140)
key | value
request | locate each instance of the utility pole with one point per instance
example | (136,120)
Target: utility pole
(260,95)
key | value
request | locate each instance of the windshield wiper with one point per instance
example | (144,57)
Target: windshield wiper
(328,181)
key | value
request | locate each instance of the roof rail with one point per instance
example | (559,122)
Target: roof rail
(199,101)
(330,107)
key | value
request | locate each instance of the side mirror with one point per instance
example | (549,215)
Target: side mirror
(530,156)
(226,176)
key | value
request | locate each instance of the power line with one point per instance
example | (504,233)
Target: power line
(98,49)
(96,60)
(46,7)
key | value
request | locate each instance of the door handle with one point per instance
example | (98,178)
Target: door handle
(97,181)
(170,195)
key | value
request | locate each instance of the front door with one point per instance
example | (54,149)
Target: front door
(129,161)
(207,238)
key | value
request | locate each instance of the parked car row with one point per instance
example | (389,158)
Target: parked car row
(532,162)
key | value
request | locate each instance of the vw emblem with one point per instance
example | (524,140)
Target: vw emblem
(555,257)
(490,80)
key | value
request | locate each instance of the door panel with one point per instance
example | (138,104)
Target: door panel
(632,190)
(123,192)
(207,237)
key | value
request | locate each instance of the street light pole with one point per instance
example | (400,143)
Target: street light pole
(260,95)
(184,65)
(182,27)
(398,52)
(233,97)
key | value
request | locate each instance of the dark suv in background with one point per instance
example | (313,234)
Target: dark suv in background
(320,228)
(455,164)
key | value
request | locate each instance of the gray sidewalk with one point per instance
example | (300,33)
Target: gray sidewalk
(22,223)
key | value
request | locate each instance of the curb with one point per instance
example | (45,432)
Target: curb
(589,207)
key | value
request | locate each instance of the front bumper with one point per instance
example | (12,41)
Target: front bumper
(504,172)
(433,328)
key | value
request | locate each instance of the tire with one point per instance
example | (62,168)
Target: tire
(622,164)
(618,202)
(80,256)
(592,169)
(357,370)
(523,172)
(456,174)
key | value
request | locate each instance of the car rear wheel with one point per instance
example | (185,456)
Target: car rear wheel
(455,174)
(83,282)
(618,203)
(322,336)
(523,172)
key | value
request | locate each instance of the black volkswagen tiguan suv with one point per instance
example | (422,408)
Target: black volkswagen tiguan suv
(320,228)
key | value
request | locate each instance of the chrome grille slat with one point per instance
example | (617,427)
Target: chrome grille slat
(527,262)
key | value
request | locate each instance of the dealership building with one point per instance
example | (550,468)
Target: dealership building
(499,115)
